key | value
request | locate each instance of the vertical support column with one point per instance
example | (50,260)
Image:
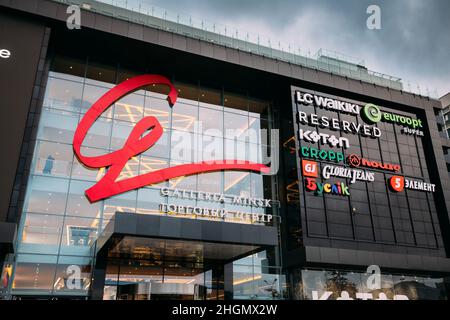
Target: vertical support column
(228,281)
(99,275)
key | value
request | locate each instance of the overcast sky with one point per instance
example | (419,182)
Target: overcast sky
(413,44)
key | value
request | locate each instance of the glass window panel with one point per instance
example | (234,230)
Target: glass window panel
(63,94)
(125,202)
(236,126)
(46,195)
(211,122)
(236,150)
(150,164)
(41,233)
(34,275)
(182,146)
(161,148)
(80,171)
(149,200)
(92,94)
(184,117)
(53,159)
(130,108)
(130,170)
(78,204)
(210,182)
(57,126)
(160,109)
(120,132)
(237,183)
(257,185)
(210,148)
(185,182)
(99,134)
(78,236)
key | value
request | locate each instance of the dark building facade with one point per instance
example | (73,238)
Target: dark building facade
(353,204)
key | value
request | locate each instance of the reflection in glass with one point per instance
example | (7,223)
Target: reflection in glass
(46,195)
(63,95)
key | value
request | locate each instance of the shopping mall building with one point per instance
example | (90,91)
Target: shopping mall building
(121,180)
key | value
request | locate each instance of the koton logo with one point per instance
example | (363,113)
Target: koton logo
(323,138)
(142,137)
(310,168)
(356,161)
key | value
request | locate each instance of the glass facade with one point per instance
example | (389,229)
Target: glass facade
(314,284)
(59,226)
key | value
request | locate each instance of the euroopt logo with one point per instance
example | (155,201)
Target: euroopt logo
(143,136)
(371,113)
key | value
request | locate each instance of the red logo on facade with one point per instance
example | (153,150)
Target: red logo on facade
(143,136)
(397,183)
(356,161)
(310,169)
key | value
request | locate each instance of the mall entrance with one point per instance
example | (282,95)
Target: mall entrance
(151,257)
(162,269)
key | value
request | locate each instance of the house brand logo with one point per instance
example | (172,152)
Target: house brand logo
(356,161)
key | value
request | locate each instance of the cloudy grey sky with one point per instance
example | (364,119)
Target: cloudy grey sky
(413,44)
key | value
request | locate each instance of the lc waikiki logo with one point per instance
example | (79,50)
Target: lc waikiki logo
(143,136)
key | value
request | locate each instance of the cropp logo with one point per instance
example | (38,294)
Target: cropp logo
(143,136)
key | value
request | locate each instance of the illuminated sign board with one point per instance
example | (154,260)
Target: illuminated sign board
(356,161)
(352,174)
(320,188)
(324,138)
(371,113)
(139,140)
(325,155)
(327,103)
(336,124)
(399,183)
(217,213)
(310,168)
